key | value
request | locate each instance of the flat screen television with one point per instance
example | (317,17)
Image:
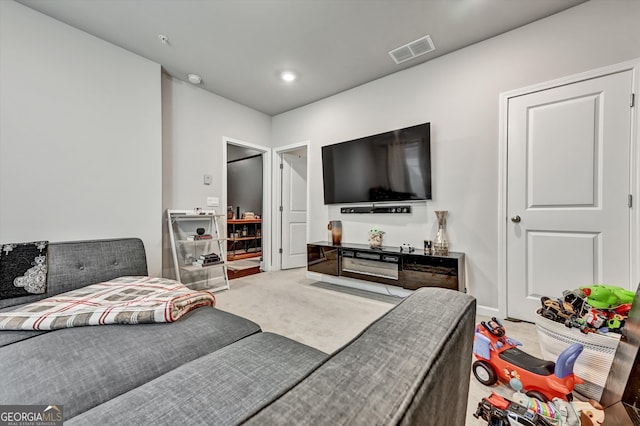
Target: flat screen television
(391,166)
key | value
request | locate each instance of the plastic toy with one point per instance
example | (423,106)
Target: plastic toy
(576,299)
(601,296)
(575,311)
(579,323)
(595,318)
(499,411)
(498,358)
(623,309)
(545,409)
(556,310)
(615,322)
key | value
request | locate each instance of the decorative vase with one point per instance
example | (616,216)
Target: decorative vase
(335,228)
(375,238)
(440,244)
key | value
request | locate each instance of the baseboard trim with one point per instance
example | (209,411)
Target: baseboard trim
(487,311)
(389,290)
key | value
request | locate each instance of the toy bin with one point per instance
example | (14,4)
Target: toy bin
(594,362)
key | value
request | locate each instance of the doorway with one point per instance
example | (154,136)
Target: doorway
(246,195)
(567,211)
(292,188)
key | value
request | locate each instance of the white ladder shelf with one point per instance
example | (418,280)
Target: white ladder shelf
(189,249)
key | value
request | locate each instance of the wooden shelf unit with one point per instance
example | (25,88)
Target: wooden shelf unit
(243,221)
(244,239)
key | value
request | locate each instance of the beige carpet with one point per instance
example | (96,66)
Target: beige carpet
(288,303)
(326,317)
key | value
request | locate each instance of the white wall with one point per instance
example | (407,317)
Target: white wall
(458,94)
(80,136)
(194,124)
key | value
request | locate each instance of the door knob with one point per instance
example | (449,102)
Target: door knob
(515,219)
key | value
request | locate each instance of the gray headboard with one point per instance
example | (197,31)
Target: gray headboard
(76,264)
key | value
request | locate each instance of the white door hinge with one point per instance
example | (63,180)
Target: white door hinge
(630,201)
(633,100)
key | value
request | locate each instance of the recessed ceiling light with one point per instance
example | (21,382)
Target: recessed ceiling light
(194,78)
(288,76)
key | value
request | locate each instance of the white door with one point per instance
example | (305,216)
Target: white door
(568,190)
(294,209)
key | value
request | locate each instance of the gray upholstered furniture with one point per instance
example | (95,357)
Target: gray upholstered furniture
(411,366)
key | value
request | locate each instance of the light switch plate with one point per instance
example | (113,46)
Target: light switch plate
(213,201)
(207,179)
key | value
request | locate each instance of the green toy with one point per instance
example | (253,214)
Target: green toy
(602,296)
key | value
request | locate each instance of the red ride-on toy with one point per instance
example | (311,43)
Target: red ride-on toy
(498,358)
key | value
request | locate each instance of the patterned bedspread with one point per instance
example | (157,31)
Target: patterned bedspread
(124,300)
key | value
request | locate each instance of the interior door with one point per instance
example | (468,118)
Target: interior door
(568,190)
(294,209)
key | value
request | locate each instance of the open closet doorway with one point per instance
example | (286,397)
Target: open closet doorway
(247,203)
(293,204)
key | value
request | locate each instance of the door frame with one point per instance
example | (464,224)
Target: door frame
(266,193)
(277,179)
(634,160)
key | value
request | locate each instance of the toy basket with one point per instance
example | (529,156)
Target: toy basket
(594,362)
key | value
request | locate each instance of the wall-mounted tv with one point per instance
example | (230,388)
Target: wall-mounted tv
(391,166)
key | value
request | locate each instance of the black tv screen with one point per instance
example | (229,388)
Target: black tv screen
(391,166)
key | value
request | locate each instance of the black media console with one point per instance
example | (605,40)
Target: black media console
(388,265)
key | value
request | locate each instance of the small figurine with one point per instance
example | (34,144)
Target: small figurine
(408,248)
(375,238)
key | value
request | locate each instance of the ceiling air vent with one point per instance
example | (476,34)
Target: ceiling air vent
(411,50)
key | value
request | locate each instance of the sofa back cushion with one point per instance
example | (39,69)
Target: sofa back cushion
(77,264)
(410,367)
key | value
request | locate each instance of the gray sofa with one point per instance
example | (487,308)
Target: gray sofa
(411,366)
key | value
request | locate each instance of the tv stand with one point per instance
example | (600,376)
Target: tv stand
(387,265)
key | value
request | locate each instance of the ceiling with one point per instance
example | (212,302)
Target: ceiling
(240,47)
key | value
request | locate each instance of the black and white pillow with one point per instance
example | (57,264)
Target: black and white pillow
(23,269)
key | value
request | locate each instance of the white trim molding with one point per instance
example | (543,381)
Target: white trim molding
(266,193)
(277,197)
